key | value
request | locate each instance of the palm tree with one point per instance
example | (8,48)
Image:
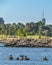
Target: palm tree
(14,28)
(3,29)
(40,28)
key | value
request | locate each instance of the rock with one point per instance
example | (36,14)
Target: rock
(30,43)
(17,58)
(10,57)
(44,58)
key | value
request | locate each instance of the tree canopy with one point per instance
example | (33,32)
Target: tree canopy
(28,29)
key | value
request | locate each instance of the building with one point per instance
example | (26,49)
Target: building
(1,21)
(43,19)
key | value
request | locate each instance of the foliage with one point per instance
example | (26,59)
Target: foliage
(28,29)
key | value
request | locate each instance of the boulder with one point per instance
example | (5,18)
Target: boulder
(44,58)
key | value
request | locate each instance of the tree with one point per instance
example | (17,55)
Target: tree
(8,29)
(40,28)
(20,33)
(45,32)
(14,28)
(3,29)
(27,27)
(20,26)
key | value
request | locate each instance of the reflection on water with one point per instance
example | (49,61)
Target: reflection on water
(1,44)
(35,55)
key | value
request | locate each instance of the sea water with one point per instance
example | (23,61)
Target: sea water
(34,54)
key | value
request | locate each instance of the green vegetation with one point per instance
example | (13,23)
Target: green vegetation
(29,29)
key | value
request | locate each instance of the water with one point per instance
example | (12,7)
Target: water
(35,55)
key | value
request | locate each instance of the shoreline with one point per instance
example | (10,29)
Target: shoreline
(23,47)
(44,43)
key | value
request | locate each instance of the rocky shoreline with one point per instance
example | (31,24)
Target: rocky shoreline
(47,42)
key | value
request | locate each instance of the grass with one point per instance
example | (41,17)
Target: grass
(29,37)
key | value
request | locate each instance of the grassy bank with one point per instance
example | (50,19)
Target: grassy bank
(18,37)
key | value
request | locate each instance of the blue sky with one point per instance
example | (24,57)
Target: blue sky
(14,11)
